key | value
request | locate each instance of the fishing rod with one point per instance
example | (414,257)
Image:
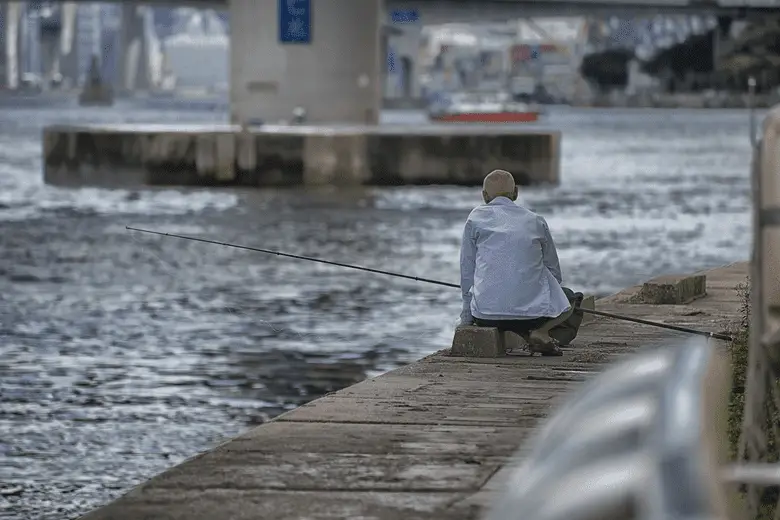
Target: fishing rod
(425,280)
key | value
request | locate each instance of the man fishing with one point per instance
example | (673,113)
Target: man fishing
(510,276)
(562,330)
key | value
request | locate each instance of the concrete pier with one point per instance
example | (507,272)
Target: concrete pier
(428,441)
(126,156)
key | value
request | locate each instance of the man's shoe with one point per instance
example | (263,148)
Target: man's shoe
(554,350)
(543,344)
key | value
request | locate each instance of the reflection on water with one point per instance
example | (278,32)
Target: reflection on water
(124,353)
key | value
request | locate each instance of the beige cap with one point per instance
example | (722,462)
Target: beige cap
(499,183)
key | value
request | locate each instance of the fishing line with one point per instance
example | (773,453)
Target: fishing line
(424,280)
(275,328)
(176,274)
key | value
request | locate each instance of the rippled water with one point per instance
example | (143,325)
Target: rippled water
(122,354)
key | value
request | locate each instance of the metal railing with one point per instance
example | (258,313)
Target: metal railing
(638,442)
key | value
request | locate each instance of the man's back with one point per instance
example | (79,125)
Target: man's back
(516,273)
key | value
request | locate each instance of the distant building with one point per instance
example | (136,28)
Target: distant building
(88,37)
(31,42)
(450,58)
(548,52)
(110,24)
(521,56)
(165,21)
(199,57)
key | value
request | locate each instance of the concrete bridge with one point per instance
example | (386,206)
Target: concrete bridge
(328,57)
(431,12)
(337,75)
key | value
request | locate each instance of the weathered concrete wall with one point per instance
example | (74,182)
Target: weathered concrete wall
(463,158)
(336,77)
(257,62)
(116,158)
(288,156)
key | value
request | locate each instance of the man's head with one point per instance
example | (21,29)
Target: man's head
(499,183)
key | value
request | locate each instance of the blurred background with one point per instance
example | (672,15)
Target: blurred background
(122,354)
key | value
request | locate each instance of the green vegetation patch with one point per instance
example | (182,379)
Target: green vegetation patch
(739,360)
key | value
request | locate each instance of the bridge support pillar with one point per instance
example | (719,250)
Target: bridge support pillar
(134,61)
(49,41)
(335,77)
(67,50)
(10,44)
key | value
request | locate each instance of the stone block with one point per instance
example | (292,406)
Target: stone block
(478,342)
(672,290)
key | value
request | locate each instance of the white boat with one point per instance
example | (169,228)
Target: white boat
(477,107)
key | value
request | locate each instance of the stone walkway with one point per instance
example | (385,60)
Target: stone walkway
(427,441)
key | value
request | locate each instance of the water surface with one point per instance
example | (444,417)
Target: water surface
(122,354)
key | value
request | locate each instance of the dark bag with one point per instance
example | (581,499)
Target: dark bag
(567,331)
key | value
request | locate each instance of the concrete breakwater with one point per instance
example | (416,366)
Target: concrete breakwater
(432,440)
(134,155)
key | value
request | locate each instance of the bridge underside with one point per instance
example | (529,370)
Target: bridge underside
(434,12)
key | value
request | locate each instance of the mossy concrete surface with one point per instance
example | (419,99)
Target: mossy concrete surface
(672,290)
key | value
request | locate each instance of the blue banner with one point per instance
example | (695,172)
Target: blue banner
(295,21)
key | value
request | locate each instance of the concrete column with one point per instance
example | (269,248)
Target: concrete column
(48,56)
(134,57)
(257,62)
(67,50)
(10,44)
(49,64)
(336,77)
